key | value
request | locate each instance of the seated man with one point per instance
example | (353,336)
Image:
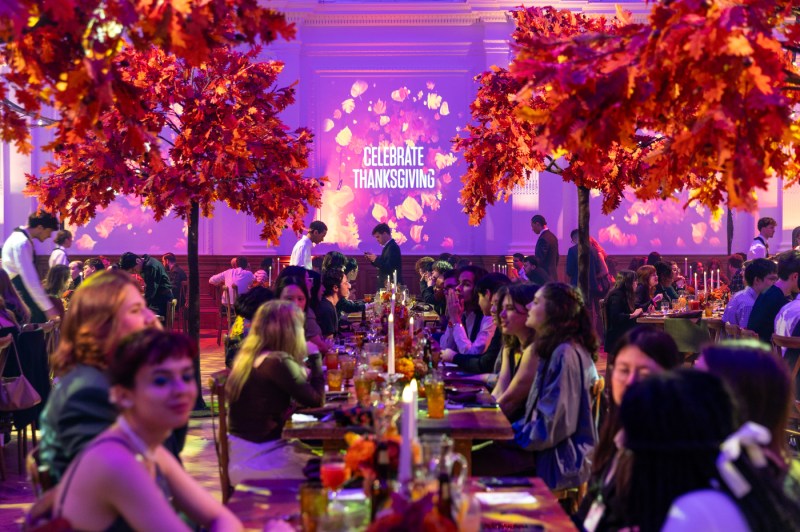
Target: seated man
(237,275)
(759,275)
(469,330)
(770,301)
(157,286)
(336,286)
(433,294)
(533,272)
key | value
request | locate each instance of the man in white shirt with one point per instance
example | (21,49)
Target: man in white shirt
(238,275)
(301,253)
(63,240)
(519,267)
(759,275)
(19,261)
(759,249)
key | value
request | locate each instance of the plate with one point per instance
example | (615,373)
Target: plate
(463,387)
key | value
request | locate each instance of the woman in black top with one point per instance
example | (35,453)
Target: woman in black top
(646,291)
(621,308)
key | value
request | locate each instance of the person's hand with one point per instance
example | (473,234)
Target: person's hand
(51,314)
(657,298)
(370,256)
(455,307)
(651,309)
(447,355)
(636,313)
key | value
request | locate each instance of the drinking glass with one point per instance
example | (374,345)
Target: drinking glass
(313,504)
(334,380)
(333,471)
(332,360)
(363,385)
(434,392)
(348,365)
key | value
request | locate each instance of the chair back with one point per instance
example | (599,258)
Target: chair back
(688,335)
(169,319)
(747,333)
(216,383)
(597,395)
(715,329)
(733,331)
(183,306)
(779,343)
(38,473)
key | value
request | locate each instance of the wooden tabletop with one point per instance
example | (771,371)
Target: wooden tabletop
(257,501)
(467,423)
(658,319)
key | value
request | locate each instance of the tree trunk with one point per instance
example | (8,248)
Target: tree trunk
(730,230)
(583,245)
(194,294)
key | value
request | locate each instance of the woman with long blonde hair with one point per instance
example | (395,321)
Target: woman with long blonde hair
(105,308)
(271,370)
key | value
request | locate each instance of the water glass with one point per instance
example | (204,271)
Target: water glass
(334,380)
(313,504)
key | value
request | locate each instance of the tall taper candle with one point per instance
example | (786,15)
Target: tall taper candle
(390,356)
(686,267)
(269,281)
(705,283)
(394,274)
(411,327)
(408,422)
(695,283)
(719,283)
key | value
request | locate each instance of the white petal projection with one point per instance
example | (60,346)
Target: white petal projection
(379,212)
(380,107)
(434,101)
(327,125)
(348,105)
(405,127)
(444,160)
(410,209)
(699,232)
(416,233)
(444,110)
(344,137)
(400,95)
(358,88)
(337,114)
(384,120)
(447,243)
(85,242)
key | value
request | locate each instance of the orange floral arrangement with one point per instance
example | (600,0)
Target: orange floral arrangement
(360,455)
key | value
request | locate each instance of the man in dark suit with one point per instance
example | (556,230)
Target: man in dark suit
(389,261)
(546,246)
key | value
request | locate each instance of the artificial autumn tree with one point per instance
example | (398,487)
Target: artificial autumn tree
(695,99)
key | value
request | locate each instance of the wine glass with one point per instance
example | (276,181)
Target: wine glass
(333,471)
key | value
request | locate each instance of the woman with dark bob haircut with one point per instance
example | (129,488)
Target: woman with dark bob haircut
(640,352)
(124,478)
(689,471)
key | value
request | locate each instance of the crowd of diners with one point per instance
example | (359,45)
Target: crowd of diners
(677,447)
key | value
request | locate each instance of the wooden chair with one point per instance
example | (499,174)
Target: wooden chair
(38,473)
(597,395)
(716,329)
(225,314)
(747,333)
(169,319)
(182,314)
(217,382)
(733,331)
(788,342)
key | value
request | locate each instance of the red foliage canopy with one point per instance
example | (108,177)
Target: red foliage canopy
(222,136)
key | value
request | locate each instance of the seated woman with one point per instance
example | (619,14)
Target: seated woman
(295,289)
(640,352)
(762,387)
(55,284)
(666,281)
(125,479)
(469,329)
(246,306)
(558,424)
(675,424)
(269,373)
(336,286)
(105,308)
(621,309)
(646,296)
(518,358)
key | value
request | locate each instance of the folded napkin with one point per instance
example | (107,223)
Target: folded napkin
(492,498)
(303,418)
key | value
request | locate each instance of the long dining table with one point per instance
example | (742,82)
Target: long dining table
(268,504)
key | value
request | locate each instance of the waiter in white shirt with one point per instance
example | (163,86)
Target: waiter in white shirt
(63,240)
(759,249)
(301,253)
(19,261)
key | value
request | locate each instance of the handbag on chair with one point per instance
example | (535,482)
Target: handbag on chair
(16,393)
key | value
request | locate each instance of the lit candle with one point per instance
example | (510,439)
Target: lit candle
(705,279)
(390,357)
(394,274)
(686,267)
(394,300)
(415,391)
(409,420)
(695,282)
(719,283)
(269,279)
(411,327)
(494,267)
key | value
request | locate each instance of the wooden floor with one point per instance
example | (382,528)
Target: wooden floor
(198,455)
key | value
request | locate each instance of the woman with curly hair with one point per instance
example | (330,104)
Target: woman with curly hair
(105,308)
(557,425)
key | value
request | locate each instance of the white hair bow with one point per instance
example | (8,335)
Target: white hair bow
(750,437)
